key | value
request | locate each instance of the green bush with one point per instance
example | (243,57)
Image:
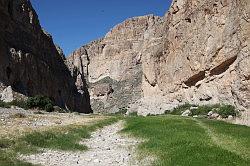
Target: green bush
(226,110)
(41,102)
(203,110)
(49,107)
(4,105)
(19,103)
(223,110)
(180,109)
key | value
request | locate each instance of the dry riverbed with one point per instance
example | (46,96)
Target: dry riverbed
(106,147)
(16,121)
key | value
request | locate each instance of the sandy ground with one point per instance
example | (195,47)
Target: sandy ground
(11,126)
(107,147)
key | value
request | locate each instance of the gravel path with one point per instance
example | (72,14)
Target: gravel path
(106,148)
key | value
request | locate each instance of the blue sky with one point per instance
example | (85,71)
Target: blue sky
(73,23)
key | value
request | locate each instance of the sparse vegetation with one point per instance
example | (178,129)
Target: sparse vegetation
(133,114)
(18,115)
(4,105)
(223,110)
(226,110)
(122,111)
(179,110)
(175,140)
(64,138)
(40,102)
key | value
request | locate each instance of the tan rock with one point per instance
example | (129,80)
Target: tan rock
(198,53)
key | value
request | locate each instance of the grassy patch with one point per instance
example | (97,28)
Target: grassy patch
(233,137)
(182,141)
(66,138)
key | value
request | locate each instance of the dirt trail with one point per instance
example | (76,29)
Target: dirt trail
(106,147)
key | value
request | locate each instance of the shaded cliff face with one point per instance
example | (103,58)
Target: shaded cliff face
(197,53)
(29,60)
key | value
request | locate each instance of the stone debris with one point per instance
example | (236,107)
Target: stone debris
(106,147)
(17,121)
(7,94)
(186,113)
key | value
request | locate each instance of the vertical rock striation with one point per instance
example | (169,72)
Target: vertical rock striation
(199,53)
(30,62)
(112,65)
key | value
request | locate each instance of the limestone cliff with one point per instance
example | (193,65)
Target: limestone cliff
(30,62)
(199,52)
(113,65)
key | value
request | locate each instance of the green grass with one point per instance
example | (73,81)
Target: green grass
(182,141)
(66,139)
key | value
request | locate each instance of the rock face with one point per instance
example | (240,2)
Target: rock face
(199,53)
(113,65)
(30,62)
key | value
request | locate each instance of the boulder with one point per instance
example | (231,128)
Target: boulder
(210,113)
(186,113)
(7,95)
(230,117)
(214,116)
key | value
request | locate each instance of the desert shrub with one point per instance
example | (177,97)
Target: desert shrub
(223,110)
(41,102)
(180,109)
(202,110)
(19,103)
(49,107)
(4,105)
(226,110)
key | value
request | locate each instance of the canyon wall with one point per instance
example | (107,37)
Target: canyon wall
(30,63)
(199,53)
(113,66)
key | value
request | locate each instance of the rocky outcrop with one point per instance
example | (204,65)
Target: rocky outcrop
(112,65)
(199,53)
(203,47)
(29,61)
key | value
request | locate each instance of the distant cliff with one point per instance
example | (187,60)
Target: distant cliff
(199,53)
(30,62)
